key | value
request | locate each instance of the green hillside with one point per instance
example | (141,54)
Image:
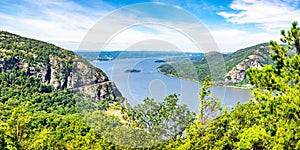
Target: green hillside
(37,114)
(53,65)
(51,98)
(200,68)
(38,106)
(240,55)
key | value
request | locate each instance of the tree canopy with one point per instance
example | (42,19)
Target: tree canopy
(42,117)
(271,119)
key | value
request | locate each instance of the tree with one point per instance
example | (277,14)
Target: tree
(209,106)
(291,38)
(270,120)
(7,139)
(167,118)
(284,74)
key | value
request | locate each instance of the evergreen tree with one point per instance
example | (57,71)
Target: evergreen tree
(270,120)
(209,106)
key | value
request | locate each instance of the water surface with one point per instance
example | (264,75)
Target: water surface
(150,83)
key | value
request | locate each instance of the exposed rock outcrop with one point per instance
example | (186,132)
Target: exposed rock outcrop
(55,66)
(238,73)
(223,68)
(257,59)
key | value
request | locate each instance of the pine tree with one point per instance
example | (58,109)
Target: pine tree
(209,106)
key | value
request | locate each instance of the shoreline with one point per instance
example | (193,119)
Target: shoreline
(239,87)
(246,87)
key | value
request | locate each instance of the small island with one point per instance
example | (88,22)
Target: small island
(159,61)
(104,58)
(132,70)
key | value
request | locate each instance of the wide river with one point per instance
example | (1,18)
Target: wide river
(136,86)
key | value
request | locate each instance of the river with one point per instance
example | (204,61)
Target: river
(136,86)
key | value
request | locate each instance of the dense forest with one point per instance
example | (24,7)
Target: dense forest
(36,115)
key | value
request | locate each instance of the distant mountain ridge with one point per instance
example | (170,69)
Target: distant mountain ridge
(235,65)
(127,54)
(54,66)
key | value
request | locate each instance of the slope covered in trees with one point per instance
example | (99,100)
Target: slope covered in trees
(43,106)
(53,65)
(271,119)
(38,106)
(236,65)
(45,117)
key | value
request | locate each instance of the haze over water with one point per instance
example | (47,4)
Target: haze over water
(136,86)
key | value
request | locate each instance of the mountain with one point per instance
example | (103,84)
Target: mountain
(238,62)
(54,66)
(48,95)
(225,68)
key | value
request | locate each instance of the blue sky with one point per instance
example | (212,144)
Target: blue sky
(234,24)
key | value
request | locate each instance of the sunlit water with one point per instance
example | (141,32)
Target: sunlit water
(150,83)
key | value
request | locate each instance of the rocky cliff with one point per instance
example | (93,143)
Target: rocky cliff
(55,66)
(256,57)
(235,65)
(238,73)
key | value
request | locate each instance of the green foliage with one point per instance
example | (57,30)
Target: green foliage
(285,72)
(209,106)
(235,58)
(270,120)
(201,68)
(182,69)
(37,116)
(41,117)
(34,57)
(168,69)
(166,119)
(34,115)
(291,38)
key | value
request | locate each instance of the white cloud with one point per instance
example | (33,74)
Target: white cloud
(65,23)
(53,21)
(133,36)
(228,40)
(138,26)
(231,40)
(267,14)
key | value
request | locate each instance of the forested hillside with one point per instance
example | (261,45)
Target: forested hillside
(53,65)
(236,65)
(39,107)
(38,115)
(271,119)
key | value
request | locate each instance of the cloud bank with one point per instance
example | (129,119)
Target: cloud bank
(268,14)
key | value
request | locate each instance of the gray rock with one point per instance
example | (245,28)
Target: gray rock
(238,73)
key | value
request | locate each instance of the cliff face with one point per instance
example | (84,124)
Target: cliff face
(233,71)
(238,73)
(256,57)
(55,66)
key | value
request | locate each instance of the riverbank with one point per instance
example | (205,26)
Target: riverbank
(246,86)
(243,86)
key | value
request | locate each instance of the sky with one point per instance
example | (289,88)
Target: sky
(233,24)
